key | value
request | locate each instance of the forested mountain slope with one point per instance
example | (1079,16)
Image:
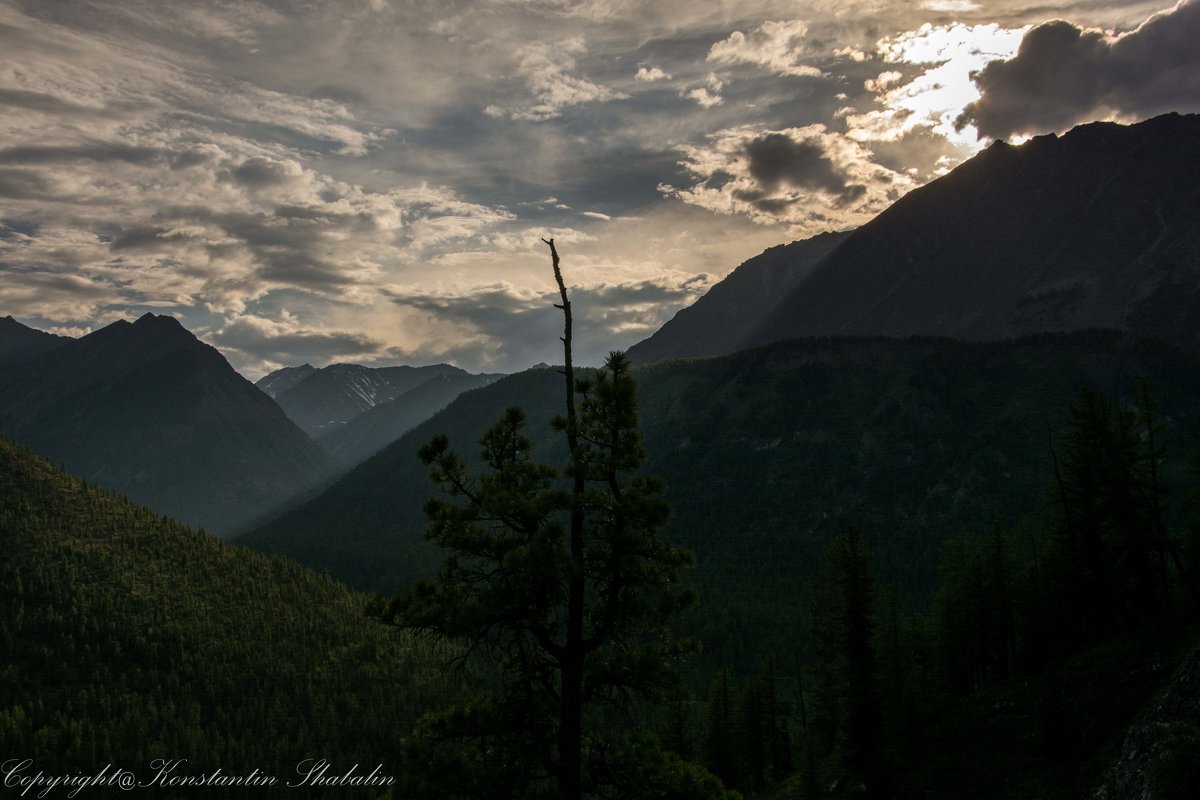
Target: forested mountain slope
(128,637)
(768,453)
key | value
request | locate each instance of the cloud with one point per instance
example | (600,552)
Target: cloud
(651,74)
(55,296)
(708,95)
(547,69)
(934,94)
(33,155)
(951,6)
(259,172)
(286,341)
(775,159)
(776,45)
(1063,74)
(505,327)
(809,178)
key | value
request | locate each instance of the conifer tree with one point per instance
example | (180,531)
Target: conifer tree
(559,589)
(848,713)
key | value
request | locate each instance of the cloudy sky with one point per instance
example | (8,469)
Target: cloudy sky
(368,180)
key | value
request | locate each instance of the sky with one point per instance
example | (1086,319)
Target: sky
(370,180)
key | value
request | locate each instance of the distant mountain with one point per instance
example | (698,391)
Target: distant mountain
(1097,228)
(147,409)
(19,342)
(127,636)
(719,321)
(377,427)
(281,380)
(769,453)
(330,397)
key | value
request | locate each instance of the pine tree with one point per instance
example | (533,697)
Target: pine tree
(848,712)
(558,589)
(721,750)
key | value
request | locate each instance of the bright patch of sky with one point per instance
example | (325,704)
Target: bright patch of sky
(947,56)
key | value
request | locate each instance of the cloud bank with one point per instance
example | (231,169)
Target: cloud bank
(1064,74)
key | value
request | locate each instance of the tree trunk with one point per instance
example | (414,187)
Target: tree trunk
(570,725)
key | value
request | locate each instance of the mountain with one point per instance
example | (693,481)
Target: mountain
(336,394)
(19,342)
(147,409)
(281,380)
(769,453)
(128,637)
(1097,228)
(719,321)
(377,427)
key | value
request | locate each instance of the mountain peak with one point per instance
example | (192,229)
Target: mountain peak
(1095,228)
(19,341)
(149,410)
(150,319)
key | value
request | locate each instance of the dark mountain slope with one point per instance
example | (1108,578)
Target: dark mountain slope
(281,380)
(147,409)
(332,396)
(377,427)
(20,342)
(1096,228)
(768,453)
(719,321)
(128,637)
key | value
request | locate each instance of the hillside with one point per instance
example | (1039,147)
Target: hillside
(128,637)
(1098,228)
(719,321)
(148,410)
(769,453)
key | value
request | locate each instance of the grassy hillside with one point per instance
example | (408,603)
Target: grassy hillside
(128,637)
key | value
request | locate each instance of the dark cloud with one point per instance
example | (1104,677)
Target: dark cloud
(18,229)
(764,202)
(283,253)
(189,158)
(1063,74)
(23,184)
(39,101)
(38,155)
(283,346)
(257,173)
(140,237)
(776,158)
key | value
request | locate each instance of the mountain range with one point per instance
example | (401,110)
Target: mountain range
(320,400)
(147,409)
(1097,228)
(377,427)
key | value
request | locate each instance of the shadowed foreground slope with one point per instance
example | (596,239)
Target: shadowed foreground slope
(129,637)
